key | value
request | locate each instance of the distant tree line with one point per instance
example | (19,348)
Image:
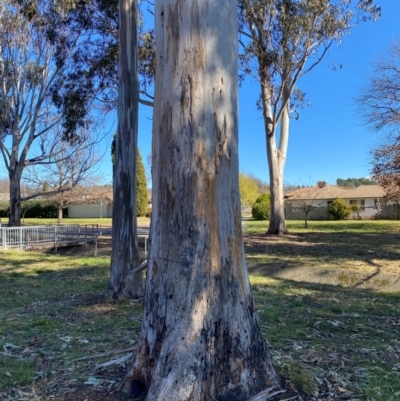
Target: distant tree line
(379,106)
(354,182)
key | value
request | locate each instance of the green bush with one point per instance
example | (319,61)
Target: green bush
(261,211)
(261,208)
(4,208)
(39,208)
(263,198)
(34,208)
(339,210)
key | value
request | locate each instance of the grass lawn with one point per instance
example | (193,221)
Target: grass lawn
(105,221)
(333,342)
(332,226)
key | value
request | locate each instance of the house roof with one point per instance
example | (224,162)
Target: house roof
(327,192)
(334,191)
(366,191)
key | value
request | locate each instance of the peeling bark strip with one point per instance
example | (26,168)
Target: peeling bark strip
(125,256)
(200,338)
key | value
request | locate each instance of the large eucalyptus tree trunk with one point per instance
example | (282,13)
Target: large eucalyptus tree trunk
(201,338)
(276,158)
(125,251)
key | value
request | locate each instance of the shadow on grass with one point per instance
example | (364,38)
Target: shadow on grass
(312,328)
(363,247)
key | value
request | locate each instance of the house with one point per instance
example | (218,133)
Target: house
(370,200)
(94,205)
(314,199)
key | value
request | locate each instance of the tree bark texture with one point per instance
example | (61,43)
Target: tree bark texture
(125,251)
(276,160)
(15,174)
(200,338)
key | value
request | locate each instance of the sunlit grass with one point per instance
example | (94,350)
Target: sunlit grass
(344,226)
(105,221)
(52,309)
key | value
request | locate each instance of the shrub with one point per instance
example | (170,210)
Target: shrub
(4,208)
(261,208)
(39,208)
(34,208)
(264,198)
(261,211)
(339,210)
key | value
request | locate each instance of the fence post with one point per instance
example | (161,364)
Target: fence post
(20,237)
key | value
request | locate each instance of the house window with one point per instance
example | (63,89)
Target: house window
(353,202)
(362,207)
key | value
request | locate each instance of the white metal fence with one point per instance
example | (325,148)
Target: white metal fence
(30,236)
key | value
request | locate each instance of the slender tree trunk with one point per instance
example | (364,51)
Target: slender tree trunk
(201,338)
(125,251)
(276,162)
(60,214)
(15,197)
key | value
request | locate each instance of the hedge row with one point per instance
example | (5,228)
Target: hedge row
(35,208)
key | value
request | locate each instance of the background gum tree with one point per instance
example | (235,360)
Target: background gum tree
(72,167)
(51,75)
(123,283)
(283,40)
(379,106)
(28,68)
(200,337)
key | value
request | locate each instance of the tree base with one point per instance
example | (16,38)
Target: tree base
(279,232)
(131,288)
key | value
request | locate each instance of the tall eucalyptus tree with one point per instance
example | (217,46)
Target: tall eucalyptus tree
(125,256)
(200,337)
(283,40)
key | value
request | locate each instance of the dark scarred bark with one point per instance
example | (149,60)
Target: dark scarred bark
(125,251)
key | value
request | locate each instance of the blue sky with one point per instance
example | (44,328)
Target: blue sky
(328,141)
